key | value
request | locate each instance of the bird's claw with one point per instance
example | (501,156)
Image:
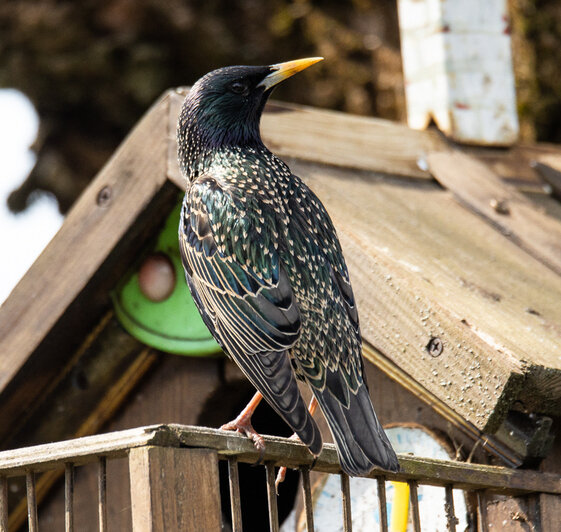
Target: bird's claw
(282,470)
(244,426)
(280,478)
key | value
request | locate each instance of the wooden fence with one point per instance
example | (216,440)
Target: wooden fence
(174,479)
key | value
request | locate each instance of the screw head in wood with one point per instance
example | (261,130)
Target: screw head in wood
(104,196)
(435,347)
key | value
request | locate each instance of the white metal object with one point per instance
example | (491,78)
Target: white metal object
(458,70)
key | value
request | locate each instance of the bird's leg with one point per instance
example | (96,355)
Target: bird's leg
(282,470)
(242,423)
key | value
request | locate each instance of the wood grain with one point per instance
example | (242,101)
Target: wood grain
(476,186)
(422,267)
(514,514)
(103,372)
(340,139)
(174,390)
(92,228)
(550,512)
(279,451)
(174,489)
(66,290)
(366,143)
(421,264)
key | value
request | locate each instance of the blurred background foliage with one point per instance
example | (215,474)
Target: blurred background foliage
(92,68)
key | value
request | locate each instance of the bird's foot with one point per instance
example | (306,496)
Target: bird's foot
(242,424)
(282,470)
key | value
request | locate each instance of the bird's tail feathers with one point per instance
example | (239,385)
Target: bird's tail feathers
(361,441)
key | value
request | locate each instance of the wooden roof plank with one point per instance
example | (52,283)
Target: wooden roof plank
(366,143)
(402,318)
(340,139)
(476,186)
(450,268)
(92,229)
(423,266)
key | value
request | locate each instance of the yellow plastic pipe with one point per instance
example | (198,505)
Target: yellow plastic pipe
(400,507)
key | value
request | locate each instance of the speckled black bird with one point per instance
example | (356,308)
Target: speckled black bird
(266,270)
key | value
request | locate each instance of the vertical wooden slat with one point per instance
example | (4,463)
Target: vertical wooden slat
(174,489)
(3,504)
(550,511)
(102,493)
(235,500)
(481,512)
(382,504)
(449,509)
(346,497)
(69,497)
(272,496)
(308,503)
(415,505)
(31,502)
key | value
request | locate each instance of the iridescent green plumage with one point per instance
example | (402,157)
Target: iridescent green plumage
(265,267)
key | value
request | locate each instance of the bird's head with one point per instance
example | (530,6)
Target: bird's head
(223,108)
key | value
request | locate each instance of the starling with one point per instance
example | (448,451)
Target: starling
(266,270)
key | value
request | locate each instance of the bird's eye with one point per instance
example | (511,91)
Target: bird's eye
(238,87)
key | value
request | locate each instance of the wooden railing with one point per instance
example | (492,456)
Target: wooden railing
(174,481)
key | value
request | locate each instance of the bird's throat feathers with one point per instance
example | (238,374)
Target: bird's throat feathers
(207,127)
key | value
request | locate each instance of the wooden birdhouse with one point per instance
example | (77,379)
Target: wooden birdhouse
(455,260)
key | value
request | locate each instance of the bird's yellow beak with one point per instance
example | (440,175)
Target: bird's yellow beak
(281,71)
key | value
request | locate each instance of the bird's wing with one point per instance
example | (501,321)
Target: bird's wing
(336,371)
(244,295)
(341,350)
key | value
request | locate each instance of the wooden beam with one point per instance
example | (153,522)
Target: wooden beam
(366,143)
(102,373)
(84,450)
(550,512)
(426,470)
(336,138)
(174,489)
(280,451)
(443,408)
(66,290)
(420,264)
(481,190)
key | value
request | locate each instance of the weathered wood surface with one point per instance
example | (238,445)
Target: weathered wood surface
(365,143)
(424,267)
(174,390)
(336,138)
(66,290)
(174,489)
(103,372)
(102,493)
(514,514)
(278,451)
(550,512)
(3,504)
(476,186)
